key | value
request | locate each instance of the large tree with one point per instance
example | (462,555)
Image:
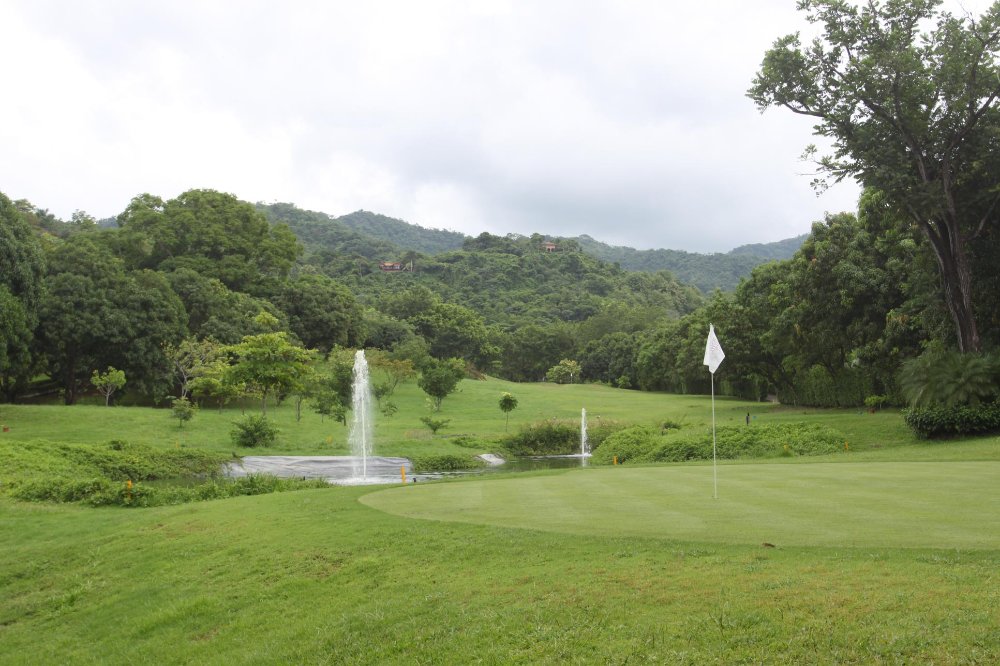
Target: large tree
(213,233)
(908,96)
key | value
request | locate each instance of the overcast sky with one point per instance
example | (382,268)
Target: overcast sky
(623,120)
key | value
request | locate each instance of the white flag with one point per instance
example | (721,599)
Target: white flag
(713,351)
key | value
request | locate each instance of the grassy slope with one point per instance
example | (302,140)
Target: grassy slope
(317,577)
(473,410)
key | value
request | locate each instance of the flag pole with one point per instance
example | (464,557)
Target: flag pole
(713,357)
(715,475)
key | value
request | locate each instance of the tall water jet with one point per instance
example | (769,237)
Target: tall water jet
(584,445)
(360,434)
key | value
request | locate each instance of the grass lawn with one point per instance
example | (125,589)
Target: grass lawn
(877,504)
(889,556)
(473,410)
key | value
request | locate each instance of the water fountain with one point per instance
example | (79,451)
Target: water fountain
(584,445)
(360,434)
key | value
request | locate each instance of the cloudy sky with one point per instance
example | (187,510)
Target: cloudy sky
(624,120)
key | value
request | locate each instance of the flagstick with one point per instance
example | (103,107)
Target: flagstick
(715,475)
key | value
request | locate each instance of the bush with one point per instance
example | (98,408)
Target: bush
(633,443)
(253,431)
(640,444)
(938,422)
(545,439)
(445,463)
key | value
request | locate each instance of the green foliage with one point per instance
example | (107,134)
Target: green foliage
(254,431)
(183,410)
(268,364)
(508,403)
(104,492)
(954,420)
(876,401)
(439,379)
(950,379)
(565,372)
(643,444)
(708,272)
(544,438)
(447,462)
(434,424)
(108,382)
(213,233)
(911,111)
(321,312)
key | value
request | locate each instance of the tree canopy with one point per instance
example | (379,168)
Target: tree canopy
(908,96)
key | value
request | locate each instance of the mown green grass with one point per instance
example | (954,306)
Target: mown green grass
(875,504)
(584,566)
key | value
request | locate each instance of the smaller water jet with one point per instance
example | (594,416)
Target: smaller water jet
(584,444)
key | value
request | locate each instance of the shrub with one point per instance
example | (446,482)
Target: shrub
(633,443)
(445,463)
(434,424)
(641,444)
(545,438)
(937,422)
(950,379)
(254,431)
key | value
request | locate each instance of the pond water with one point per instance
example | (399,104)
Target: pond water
(340,470)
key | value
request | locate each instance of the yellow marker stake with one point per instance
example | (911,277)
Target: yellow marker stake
(616,460)
(402,473)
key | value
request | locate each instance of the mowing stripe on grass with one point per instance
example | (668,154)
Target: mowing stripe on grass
(908,505)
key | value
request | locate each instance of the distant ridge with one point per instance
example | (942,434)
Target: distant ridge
(401,233)
(374,236)
(708,272)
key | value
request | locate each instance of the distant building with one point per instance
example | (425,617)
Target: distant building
(395,266)
(549,246)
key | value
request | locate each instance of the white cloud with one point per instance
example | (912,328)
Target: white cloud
(623,120)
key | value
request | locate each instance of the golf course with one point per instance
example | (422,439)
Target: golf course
(884,552)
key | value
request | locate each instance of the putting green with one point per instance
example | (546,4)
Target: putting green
(910,505)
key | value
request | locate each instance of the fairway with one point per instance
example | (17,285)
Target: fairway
(953,505)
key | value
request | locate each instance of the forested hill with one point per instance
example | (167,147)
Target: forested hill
(319,231)
(373,236)
(705,271)
(783,249)
(405,235)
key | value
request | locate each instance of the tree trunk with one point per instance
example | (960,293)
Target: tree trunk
(956,281)
(69,383)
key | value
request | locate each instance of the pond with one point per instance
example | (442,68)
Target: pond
(343,470)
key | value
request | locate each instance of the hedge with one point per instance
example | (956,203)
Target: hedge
(939,422)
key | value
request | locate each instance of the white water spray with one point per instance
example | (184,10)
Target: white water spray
(584,444)
(360,434)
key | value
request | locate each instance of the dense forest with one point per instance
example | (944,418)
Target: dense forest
(708,272)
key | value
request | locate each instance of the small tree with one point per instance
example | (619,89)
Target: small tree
(183,410)
(439,379)
(108,382)
(434,424)
(508,403)
(253,431)
(565,372)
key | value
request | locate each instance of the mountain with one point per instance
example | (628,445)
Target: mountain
(705,271)
(363,235)
(403,234)
(783,249)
